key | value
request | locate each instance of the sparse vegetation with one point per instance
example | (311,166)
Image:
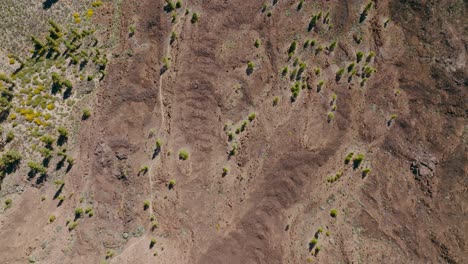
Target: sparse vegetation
(225,171)
(52,218)
(333,213)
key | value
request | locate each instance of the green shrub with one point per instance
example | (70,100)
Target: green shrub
(97,3)
(170,6)
(173,37)
(359,56)
(332,46)
(72,225)
(159,143)
(59,182)
(131,30)
(78,212)
(386,22)
(8,203)
(295,90)
(52,218)
(340,72)
(313,242)
(70,161)
(257,43)
(275,100)
(365,171)
(320,85)
(172,184)
(334,96)
(393,116)
(333,213)
(292,48)
(225,171)
(62,131)
(233,150)
(37,168)
(178,4)
(195,18)
(317,250)
(143,170)
(370,56)
(146,205)
(252,117)
(183,155)
(299,6)
(250,67)
(47,140)
(154,225)
(152,242)
(319,231)
(10,136)
(348,157)
(285,71)
(91,213)
(365,12)
(318,49)
(109,254)
(312,22)
(86,114)
(358,160)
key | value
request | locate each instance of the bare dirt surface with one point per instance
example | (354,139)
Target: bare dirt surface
(410,208)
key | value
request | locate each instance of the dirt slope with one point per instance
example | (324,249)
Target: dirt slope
(410,208)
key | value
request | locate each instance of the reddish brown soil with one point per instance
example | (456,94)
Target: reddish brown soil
(411,208)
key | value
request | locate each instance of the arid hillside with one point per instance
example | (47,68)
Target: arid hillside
(237,132)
